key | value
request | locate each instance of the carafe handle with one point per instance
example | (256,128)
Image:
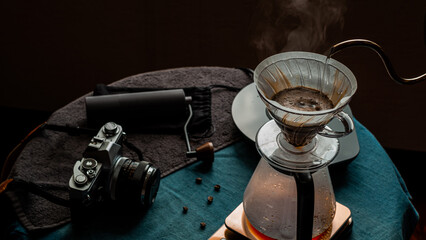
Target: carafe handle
(347,122)
(305,205)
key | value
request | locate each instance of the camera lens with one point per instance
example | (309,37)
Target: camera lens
(134,182)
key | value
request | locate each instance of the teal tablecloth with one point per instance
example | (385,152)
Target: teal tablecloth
(370,186)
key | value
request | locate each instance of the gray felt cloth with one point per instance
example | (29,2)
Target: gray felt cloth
(47,160)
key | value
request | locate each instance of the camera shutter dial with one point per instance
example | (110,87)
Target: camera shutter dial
(110,129)
(89,164)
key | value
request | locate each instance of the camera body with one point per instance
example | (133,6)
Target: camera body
(104,174)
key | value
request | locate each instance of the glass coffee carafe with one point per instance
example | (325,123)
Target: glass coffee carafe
(290,195)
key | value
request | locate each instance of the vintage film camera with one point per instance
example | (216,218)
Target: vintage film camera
(104,174)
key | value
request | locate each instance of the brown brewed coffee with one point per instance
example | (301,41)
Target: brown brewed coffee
(303,99)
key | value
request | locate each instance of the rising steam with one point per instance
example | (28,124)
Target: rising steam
(289,25)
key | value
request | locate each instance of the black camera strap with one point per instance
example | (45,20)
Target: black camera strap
(76,130)
(39,190)
(71,130)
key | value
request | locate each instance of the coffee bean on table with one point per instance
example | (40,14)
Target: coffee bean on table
(209,199)
(185,209)
(198,180)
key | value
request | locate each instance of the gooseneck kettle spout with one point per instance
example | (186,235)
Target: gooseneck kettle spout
(374,46)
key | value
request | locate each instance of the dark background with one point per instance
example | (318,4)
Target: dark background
(52,52)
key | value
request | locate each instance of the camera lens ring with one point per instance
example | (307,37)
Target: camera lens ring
(134,182)
(151,185)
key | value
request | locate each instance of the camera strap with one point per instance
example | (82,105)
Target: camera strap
(76,130)
(13,155)
(19,184)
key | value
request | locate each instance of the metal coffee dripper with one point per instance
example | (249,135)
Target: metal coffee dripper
(290,195)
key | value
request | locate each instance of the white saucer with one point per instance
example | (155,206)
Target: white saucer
(248,111)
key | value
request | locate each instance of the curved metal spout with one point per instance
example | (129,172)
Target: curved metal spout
(374,46)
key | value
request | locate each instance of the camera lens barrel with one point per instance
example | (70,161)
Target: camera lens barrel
(134,182)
